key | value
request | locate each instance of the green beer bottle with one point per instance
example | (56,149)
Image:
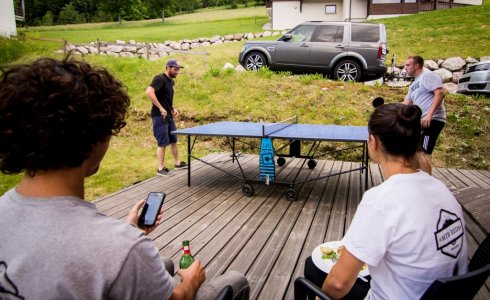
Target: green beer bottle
(187,259)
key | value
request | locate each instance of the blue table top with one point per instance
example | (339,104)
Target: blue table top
(293,131)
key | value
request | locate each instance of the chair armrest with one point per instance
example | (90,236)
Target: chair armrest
(303,285)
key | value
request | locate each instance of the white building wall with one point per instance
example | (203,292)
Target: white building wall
(286,14)
(472,2)
(7,18)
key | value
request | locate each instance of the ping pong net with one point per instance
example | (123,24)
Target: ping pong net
(269,129)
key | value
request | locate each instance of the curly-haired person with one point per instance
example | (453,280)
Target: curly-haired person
(56,122)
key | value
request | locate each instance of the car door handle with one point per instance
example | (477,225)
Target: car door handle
(304,45)
(339,46)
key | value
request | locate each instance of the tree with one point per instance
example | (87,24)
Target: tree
(69,15)
(115,7)
(48,19)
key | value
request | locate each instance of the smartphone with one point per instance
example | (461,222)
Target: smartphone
(151,209)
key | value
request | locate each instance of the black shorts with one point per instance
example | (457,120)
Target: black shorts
(162,129)
(430,135)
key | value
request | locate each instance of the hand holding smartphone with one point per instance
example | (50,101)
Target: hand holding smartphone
(151,209)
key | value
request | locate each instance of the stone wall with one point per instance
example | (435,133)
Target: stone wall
(153,51)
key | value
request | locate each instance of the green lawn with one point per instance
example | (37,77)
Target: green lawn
(205,93)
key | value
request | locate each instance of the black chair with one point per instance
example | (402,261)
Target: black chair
(467,285)
(226,293)
(456,287)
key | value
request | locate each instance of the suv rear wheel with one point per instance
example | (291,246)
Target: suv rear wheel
(255,61)
(347,70)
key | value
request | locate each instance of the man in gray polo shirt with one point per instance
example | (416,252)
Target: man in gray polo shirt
(426,92)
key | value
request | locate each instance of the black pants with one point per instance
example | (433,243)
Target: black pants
(317,276)
(430,135)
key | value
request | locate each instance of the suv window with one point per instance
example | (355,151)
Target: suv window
(363,33)
(302,33)
(330,34)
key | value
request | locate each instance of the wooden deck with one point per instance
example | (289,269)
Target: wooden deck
(266,237)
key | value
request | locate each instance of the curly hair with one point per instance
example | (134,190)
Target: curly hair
(53,113)
(398,127)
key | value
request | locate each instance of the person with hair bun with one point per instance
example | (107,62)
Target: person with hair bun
(409,230)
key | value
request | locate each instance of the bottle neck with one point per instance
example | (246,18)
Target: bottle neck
(186,250)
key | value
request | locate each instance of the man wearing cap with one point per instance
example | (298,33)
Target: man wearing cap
(161,94)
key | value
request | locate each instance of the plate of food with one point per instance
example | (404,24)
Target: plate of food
(326,255)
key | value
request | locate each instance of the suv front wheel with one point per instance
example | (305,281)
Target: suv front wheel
(347,70)
(255,61)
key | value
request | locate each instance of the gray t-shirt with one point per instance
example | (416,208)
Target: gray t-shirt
(421,92)
(63,248)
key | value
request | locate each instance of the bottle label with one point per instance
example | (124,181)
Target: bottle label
(186,250)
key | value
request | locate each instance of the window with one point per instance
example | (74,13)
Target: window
(330,33)
(302,33)
(363,33)
(330,9)
(385,1)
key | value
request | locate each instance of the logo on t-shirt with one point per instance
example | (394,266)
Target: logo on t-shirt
(8,290)
(449,234)
(414,87)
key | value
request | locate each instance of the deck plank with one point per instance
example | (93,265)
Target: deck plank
(266,237)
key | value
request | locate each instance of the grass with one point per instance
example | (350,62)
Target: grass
(205,93)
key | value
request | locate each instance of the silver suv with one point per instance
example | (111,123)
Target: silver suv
(476,79)
(347,51)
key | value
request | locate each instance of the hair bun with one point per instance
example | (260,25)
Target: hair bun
(409,114)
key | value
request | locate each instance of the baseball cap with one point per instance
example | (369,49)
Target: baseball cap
(173,63)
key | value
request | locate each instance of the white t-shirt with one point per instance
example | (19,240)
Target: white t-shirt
(421,92)
(410,231)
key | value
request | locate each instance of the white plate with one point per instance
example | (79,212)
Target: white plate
(326,264)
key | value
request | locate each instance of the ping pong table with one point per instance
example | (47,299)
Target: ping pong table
(291,134)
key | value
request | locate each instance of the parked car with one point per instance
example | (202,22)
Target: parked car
(344,50)
(476,79)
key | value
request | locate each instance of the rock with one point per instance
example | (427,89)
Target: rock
(453,64)
(249,36)
(132,42)
(185,46)
(59,51)
(484,58)
(204,39)
(471,60)
(175,46)
(431,65)
(240,68)
(127,54)
(445,74)
(214,39)
(267,33)
(238,37)
(130,49)
(82,50)
(167,43)
(92,50)
(142,51)
(228,37)
(120,42)
(228,66)
(110,53)
(276,33)
(456,77)
(195,45)
(440,61)
(162,54)
(450,87)
(115,49)
(205,44)
(257,35)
